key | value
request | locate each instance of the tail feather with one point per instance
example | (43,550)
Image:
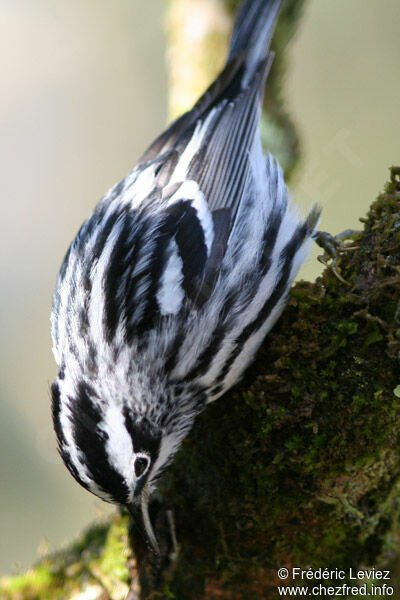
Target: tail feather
(252,34)
(248,55)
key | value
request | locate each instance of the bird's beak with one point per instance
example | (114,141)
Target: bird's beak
(139,511)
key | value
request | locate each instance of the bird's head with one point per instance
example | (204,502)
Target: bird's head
(112,451)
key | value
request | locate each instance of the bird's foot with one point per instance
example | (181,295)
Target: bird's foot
(334,247)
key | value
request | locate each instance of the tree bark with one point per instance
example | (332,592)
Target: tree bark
(296,466)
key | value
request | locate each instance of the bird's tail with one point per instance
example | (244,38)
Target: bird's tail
(252,33)
(248,55)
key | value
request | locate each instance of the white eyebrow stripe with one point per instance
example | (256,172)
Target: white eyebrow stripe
(118,444)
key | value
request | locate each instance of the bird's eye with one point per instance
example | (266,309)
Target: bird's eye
(141,465)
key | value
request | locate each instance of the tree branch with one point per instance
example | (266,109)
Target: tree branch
(299,465)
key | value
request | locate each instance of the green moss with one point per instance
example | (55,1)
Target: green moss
(100,558)
(39,579)
(115,552)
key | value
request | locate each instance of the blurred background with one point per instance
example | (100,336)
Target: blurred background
(83,92)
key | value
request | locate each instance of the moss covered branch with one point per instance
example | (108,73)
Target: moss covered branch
(298,465)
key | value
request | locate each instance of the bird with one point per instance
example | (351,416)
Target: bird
(172,283)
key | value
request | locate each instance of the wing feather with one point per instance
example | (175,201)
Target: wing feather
(211,144)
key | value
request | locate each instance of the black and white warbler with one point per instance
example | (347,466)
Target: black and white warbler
(171,285)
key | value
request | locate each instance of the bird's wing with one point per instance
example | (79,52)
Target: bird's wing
(169,138)
(210,145)
(196,172)
(214,154)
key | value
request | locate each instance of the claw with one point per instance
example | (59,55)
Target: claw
(333,250)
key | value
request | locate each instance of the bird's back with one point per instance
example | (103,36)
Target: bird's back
(187,262)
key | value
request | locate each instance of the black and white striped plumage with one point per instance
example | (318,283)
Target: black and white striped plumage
(171,285)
